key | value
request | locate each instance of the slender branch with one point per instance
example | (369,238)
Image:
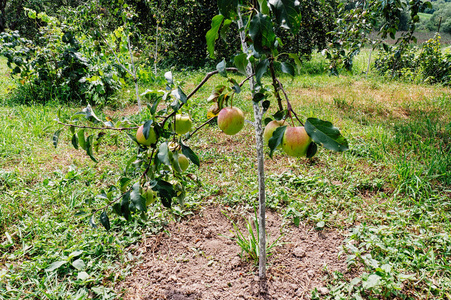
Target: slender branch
(195,90)
(274,83)
(99,128)
(198,128)
(289,107)
(246,79)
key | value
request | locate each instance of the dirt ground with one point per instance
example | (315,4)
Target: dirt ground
(195,260)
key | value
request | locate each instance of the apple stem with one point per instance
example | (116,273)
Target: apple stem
(289,107)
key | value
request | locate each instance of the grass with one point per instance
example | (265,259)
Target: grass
(389,194)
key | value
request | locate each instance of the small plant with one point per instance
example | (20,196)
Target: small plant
(249,243)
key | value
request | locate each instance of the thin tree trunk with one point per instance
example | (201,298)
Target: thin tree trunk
(258,114)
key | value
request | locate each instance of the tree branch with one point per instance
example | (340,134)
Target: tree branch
(195,90)
(98,128)
(289,107)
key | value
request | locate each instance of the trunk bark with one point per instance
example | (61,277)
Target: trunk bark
(258,114)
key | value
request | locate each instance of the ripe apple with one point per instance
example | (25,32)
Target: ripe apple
(269,130)
(183,124)
(295,141)
(231,120)
(152,139)
(183,162)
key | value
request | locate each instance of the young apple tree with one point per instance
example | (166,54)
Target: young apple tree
(161,135)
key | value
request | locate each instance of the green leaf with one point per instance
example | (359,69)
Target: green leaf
(264,9)
(236,87)
(262,33)
(79,264)
(104,220)
(276,139)
(163,154)
(225,29)
(212,34)
(372,281)
(75,141)
(287,68)
(81,139)
(265,106)
(311,150)
(228,8)
(258,97)
(154,107)
(241,62)
(124,182)
(190,154)
(125,206)
(261,69)
(324,133)
(287,14)
(146,128)
(280,114)
(55,265)
(221,67)
(165,191)
(179,95)
(89,147)
(56,136)
(137,201)
(296,59)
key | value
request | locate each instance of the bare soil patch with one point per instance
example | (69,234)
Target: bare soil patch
(194,260)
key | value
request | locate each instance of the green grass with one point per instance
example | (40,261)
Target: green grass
(425,16)
(389,194)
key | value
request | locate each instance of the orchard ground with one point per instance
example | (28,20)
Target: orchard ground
(373,220)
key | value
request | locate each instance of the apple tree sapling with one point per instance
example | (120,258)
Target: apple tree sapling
(161,143)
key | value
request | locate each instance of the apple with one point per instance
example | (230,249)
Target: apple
(183,162)
(149,195)
(152,139)
(269,130)
(231,120)
(295,141)
(183,124)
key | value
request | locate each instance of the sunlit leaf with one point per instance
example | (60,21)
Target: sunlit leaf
(324,133)
(212,34)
